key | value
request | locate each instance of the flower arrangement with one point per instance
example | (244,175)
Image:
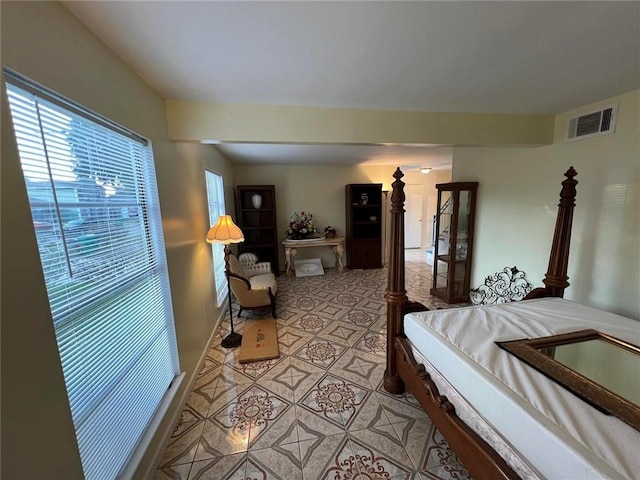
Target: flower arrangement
(330,232)
(301,226)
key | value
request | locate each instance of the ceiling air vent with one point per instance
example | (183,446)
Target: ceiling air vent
(600,122)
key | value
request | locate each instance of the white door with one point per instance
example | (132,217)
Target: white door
(413,216)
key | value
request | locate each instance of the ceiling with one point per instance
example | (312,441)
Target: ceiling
(485,57)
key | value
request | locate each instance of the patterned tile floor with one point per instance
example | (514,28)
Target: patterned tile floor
(318,411)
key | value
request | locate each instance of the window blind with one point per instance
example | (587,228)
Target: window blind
(215,197)
(95,209)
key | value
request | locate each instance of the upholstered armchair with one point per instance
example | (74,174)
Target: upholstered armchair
(252,283)
(252,267)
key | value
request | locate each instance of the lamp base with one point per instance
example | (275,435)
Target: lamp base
(232,340)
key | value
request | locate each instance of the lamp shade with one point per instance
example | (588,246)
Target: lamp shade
(225,231)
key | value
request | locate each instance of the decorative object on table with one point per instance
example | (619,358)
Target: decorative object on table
(509,285)
(301,227)
(330,232)
(364,199)
(309,267)
(226,232)
(256,200)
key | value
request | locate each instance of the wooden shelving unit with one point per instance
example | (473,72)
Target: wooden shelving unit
(364,225)
(259,225)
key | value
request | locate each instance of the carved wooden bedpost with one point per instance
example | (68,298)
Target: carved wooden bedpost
(556,279)
(396,295)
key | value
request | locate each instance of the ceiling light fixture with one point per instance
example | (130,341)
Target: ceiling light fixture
(425,170)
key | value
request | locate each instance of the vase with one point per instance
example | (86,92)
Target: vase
(256,200)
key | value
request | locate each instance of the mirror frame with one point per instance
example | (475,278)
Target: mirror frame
(608,402)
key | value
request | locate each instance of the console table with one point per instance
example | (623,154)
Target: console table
(291,249)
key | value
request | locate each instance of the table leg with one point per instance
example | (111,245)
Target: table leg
(289,253)
(337,251)
(287,259)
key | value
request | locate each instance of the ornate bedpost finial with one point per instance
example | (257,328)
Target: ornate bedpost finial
(397,192)
(571,172)
(568,193)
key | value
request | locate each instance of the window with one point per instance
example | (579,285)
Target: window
(215,197)
(94,203)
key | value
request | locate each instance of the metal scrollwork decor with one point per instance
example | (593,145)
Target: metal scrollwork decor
(509,285)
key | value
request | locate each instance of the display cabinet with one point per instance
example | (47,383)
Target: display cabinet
(256,214)
(364,225)
(454,241)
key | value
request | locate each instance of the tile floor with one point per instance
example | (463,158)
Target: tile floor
(318,411)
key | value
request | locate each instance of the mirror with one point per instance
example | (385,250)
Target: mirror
(600,369)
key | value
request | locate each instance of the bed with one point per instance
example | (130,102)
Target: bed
(503,418)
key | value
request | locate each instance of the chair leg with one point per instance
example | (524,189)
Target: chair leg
(239,312)
(273,310)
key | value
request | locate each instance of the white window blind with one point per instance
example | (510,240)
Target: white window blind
(95,210)
(215,197)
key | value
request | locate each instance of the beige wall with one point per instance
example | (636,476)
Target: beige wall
(517,205)
(43,41)
(196,121)
(312,188)
(186,221)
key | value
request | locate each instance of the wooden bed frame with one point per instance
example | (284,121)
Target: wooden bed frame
(403,373)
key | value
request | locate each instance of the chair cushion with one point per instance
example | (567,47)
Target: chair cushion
(263,282)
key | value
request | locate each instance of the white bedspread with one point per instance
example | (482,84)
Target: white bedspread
(561,436)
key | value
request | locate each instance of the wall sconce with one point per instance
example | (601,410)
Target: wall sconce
(425,170)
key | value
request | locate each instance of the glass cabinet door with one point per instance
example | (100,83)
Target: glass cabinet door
(443,240)
(464,211)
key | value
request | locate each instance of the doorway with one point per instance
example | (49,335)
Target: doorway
(413,217)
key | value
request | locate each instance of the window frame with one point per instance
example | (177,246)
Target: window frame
(216,207)
(81,326)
